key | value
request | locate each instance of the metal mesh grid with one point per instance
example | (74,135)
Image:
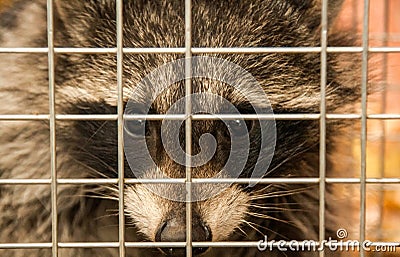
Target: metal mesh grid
(188,50)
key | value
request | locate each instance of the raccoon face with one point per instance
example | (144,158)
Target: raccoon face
(291,82)
(218,209)
(151,147)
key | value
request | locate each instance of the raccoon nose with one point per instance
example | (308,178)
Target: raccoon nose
(174,231)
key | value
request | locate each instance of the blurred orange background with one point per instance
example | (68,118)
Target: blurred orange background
(383,146)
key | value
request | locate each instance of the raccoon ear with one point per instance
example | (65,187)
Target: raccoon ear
(69,20)
(66,10)
(81,21)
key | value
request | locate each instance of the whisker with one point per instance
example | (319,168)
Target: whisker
(97,130)
(241,230)
(265,228)
(250,224)
(102,162)
(278,194)
(106,216)
(103,197)
(295,154)
(273,208)
(265,216)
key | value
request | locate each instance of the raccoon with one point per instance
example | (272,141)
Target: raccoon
(86,84)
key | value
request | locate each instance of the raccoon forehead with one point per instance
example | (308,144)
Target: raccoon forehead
(208,96)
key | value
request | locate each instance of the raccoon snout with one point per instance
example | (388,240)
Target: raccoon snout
(174,230)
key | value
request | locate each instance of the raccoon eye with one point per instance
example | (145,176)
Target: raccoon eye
(136,128)
(239,128)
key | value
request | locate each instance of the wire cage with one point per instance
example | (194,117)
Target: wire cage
(375,147)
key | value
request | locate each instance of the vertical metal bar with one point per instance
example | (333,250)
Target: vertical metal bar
(120,111)
(322,141)
(382,152)
(364,81)
(52,123)
(188,124)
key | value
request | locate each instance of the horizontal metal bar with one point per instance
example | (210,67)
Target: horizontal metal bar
(10,117)
(176,50)
(23,50)
(337,116)
(89,245)
(296,180)
(87,117)
(24,245)
(155,117)
(199,50)
(254,50)
(384,49)
(264,50)
(95,181)
(281,243)
(256,116)
(68,50)
(21,181)
(155,181)
(368,180)
(144,50)
(25,117)
(292,116)
(384,116)
(115,180)
(261,181)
